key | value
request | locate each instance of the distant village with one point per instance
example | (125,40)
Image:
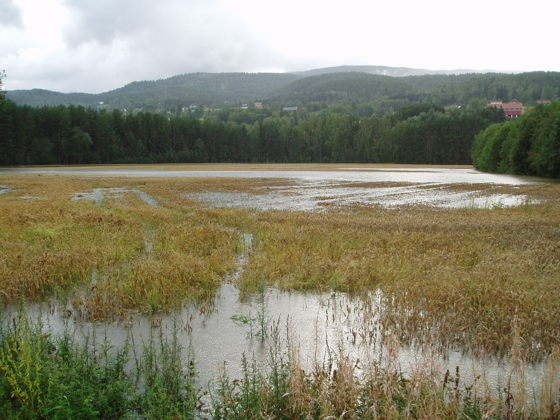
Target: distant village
(511,109)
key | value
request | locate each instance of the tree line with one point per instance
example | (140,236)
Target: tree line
(420,133)
(529,145)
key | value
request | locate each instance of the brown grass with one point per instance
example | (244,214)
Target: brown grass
(461,276)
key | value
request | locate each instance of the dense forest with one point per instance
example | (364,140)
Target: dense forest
(528,145)
(420,133)
(342,117)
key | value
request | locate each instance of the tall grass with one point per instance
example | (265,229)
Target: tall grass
(461,275)
(123,255)
(344,388)
(60,377)
(464,277)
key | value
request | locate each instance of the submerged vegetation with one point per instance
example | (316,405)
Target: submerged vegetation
(466,275)
(116,255)
(46,377)
(479,280)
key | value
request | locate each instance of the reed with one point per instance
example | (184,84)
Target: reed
(344,388)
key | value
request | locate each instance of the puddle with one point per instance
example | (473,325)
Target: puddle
(242,258)
(99,194)
(145,197)
(4,189)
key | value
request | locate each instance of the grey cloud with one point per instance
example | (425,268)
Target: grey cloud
(142,40)
(101,21)
(10,15)
(112,43)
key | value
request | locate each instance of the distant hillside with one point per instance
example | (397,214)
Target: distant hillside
(186,89)
(342,87)
(375,86)
(460,89)
(198,88)
(388,93)
(42,97)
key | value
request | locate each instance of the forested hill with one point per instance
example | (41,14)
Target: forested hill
(375,93)
(42,97)
(386,94)
(183,90)
(343,88)
(460,89)
(198,88)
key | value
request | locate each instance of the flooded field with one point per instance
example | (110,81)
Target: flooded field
(416,270)
(312,189)
(323,327)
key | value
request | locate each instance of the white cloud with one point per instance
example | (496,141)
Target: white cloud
(96,45)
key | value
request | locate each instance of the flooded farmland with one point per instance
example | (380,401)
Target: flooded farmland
(423,268)
(313,189)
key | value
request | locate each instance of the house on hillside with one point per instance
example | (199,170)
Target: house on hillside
(512,109)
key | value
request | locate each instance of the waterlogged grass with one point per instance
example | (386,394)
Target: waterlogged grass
(484,280)
(467,277)
(46,377)
(344,388)
(57,377)
(109,258)
(464,278)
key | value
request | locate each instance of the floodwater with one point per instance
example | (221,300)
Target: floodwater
(316,190)
(366,174)
(309,197)
(98,195)
(321,325)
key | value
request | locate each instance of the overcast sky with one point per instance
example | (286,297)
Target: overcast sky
(98,45)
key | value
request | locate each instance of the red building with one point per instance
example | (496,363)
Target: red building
(511,109)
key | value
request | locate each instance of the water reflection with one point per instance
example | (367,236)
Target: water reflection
(366,174)
(98,195)
(309,197)
(323,325)
(316,190)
